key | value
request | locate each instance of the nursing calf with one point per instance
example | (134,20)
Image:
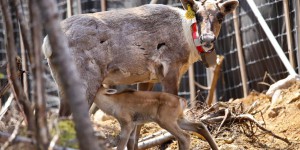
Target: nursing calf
(132,108)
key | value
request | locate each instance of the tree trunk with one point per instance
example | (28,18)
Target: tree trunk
(68,76)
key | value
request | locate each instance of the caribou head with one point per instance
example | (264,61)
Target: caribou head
(209,15)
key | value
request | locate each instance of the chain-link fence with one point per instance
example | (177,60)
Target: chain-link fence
(260,56)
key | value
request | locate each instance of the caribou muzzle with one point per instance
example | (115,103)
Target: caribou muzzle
(207,40)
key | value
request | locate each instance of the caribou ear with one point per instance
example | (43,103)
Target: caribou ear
(185,2)
(228,6)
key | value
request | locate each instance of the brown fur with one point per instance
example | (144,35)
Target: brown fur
(151,43)
(132,108)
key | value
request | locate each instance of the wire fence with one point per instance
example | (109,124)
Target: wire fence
(260,56)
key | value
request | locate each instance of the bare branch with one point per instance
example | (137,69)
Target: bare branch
(227,113)
(42,133)
(55,137)
(4,89)
(252,119)
(201,86)
(12,136)
(23,25)
(12,71)
(68,76)
(6,105)
(156,141)
(160,132)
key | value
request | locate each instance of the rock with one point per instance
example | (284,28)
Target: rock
(298,105)
(275,97)
(273,114)
(282,84)
(101,116)
(230,147)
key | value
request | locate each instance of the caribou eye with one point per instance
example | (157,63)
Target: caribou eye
(220,17)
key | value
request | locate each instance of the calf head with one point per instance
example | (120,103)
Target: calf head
(209,16)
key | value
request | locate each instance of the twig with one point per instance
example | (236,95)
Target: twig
(201,86)
(261,114)
(264,83)
(4,89)
(55,137)
(6,105)
(12,136)
(23,25)
(216,106)
(250,109)
(227,114)
(252,119)
(269,76)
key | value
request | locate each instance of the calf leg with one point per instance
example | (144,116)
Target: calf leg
(182,137)
(199,128)
(131,141)
(126,130)
(141,87)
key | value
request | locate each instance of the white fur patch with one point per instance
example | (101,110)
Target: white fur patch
(46,47)
(186,24)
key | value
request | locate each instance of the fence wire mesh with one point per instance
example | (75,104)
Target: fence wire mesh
(260,56)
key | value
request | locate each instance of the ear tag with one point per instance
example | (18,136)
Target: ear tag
(189,14)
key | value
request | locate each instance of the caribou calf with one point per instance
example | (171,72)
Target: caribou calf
(132,108)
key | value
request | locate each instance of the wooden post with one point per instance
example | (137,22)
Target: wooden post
(298,32)
(240,52)
(288,32)
(79,6)
(103,5)
(69,8)
(217,70)
(209,79)
(153,1)
(192,85)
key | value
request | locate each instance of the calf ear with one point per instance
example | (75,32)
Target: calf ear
(111,91)
(228,6)
(185,2)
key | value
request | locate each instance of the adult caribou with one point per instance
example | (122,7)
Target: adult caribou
(146,44)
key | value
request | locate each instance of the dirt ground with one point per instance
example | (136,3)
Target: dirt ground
(280,116)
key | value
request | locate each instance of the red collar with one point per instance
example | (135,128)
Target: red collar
(196,39)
